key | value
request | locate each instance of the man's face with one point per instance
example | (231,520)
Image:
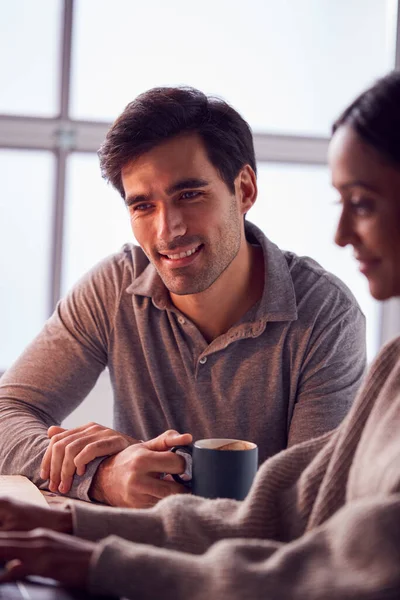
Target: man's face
(187,221)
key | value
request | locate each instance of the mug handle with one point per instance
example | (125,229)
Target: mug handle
(182,450)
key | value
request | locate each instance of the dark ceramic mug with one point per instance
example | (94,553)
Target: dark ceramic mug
(221,468)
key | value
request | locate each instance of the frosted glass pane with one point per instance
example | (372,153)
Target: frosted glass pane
(287,66)
(30,42)
(296,208)
(25,247)
(96,220)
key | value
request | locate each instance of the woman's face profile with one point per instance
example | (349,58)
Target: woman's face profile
(369,188)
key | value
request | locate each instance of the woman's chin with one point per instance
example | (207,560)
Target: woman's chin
(381,292)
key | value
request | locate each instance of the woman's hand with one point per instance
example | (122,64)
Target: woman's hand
(21,516)
(47,554)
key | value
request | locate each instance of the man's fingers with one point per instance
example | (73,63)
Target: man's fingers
(81,470)
(45,465)
(98,448)
(167,440)
(55,434)
(183,439)
(62,456)
(58,463)
(146,461)
(68,468)
(81,452)
(54,430)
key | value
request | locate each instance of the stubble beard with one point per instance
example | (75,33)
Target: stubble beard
(182,283)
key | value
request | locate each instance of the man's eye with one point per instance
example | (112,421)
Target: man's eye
(140,207)
(191,194)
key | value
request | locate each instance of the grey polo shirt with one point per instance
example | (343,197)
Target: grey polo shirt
(287,372)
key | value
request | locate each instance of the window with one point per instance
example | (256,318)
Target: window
(68,67)
(30,57)
(96,220)
(25,247)
(288,67)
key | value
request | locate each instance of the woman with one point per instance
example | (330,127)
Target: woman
(322,519)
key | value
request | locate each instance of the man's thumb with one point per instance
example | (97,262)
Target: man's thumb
(168,440)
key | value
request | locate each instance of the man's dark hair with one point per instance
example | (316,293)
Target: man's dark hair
(163,113)
(375,116)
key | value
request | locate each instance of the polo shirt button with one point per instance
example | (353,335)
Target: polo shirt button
(181,320)
(203,360)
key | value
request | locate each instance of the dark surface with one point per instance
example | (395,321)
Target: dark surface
(34,590)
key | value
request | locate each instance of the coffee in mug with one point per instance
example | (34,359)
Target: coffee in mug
(221,468)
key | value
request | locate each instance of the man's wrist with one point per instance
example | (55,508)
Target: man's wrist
(96,490)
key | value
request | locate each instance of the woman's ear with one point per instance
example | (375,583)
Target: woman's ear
(246,188)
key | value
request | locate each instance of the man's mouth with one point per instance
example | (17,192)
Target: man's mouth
(183,254)
(182,258)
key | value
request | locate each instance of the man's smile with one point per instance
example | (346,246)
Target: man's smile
(182,253)
(182,258)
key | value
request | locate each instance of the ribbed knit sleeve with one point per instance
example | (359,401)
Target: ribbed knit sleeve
(356,554)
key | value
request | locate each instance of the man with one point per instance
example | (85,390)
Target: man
(206,328)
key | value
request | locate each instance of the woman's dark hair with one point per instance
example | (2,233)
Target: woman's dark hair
(375,116)
(163,113)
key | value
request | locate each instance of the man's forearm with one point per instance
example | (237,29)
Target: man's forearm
(21,429)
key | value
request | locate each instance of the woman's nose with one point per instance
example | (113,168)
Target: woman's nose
(344,231)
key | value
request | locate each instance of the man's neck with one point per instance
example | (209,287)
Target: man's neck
(223,304)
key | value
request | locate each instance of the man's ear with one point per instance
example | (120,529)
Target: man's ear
(246,188)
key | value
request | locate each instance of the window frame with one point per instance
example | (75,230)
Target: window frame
(62,136)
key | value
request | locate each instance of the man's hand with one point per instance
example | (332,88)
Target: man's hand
(70,450)
(132,478)
(45,553)
(21,516)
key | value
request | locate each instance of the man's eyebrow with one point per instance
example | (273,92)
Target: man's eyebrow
(356,183)
(184,184)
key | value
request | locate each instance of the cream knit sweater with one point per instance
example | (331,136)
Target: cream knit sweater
(322,521)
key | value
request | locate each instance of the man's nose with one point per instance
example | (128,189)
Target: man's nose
(171,224)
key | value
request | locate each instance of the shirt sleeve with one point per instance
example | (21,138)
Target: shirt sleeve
(54,375)
(332,371)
